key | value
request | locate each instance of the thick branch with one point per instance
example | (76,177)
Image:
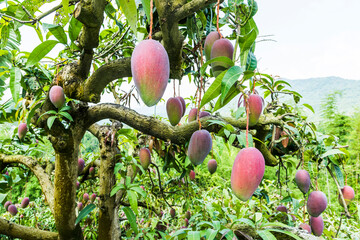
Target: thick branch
(91,14)
(178,134)
(44,179)
(192,7)
(103,76)
(18,231)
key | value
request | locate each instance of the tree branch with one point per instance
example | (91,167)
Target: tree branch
(44,179)
(103,76)
(178,134)
(18,231)
(41,16)
(192,7)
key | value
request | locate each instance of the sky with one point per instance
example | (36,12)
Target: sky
(317,38)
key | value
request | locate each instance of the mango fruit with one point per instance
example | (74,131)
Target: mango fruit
(150,70)
(247,172)
(199,146)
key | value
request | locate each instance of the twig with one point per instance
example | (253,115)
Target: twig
(34,20)
(347,214)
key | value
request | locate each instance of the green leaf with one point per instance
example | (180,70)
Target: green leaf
(217,59)
(2,197)
(15,86)
(230,78)
(309,107)
(45,71)
(65,4)
(233,92)
(116,189)
(339,175)
(214,90)
(266,235)
(331,152)
(66,115)
(128,7)
(40,51)
(139,190)
(131,218)
(74,29)
(211,234)
(244,220)
(50,121)
(251,62)
(193,235)
(32,113)
(133,200)
(85,212)
(57,31)
(286,232)
(248,34)
(146,6)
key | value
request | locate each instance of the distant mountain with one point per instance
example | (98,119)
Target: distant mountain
(315,90)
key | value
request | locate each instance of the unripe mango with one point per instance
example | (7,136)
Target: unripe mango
(183,104)
(209,41)
(282,208)
(25,202)
(81,165)
(7,204)
(57,96)
(150,70)
(212,166)
(192,175)
(305,227)
(192,115)
(80,206)
(86,197)
(145,158)
(92,197)
(172,212)
(199,146)
(22,130)
(77,185)
(316,203)
(302,179)
(91,170)
(255,102)
(174,109)
(203,114)
(221,48)
(247,172)
(12,210)
(188,215)
(348,194)
(317,225)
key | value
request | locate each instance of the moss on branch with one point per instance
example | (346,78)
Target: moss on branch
(18,231)
(178,134)
(44,179)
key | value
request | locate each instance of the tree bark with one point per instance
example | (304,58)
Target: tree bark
(18,231)
(43,178)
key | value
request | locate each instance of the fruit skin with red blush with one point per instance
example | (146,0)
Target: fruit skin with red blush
(150,70)
(199,146)
(247,172)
